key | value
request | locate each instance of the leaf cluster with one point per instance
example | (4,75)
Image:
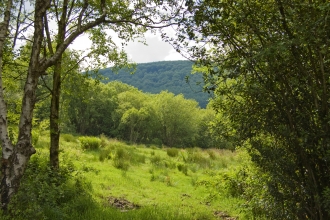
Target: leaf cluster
(267,62)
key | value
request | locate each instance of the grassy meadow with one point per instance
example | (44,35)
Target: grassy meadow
(102,178)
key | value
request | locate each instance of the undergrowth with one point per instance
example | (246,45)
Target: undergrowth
(49,194)
(167,183)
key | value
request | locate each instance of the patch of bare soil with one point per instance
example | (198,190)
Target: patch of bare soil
(122,204)
(224,215)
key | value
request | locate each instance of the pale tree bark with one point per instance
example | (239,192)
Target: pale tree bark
(15,158)
(7,146)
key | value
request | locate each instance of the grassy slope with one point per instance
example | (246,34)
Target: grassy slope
(148,177)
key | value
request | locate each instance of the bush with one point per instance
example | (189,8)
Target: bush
(138,158)
(183,168)
(169,164)
(212,154)
(104,140)
(90,143)
(48,194)
(195,155)
(122,159)
(172,152)
(121,164)
(68,138)
(35,136)
(105,154)
(156,160)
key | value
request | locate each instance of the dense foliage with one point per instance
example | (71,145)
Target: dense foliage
(161,76)
(268,62)
(121,111)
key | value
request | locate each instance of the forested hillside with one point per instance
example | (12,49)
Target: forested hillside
(159,76)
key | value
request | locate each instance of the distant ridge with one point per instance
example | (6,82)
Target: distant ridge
(163,75)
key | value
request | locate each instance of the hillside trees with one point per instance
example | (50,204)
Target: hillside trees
(268,62)
(178,118)
(164,75)
(89,110)
(125,18)
(138,121)
(121,111)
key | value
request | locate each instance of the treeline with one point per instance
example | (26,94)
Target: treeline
(121,111)
(174,76)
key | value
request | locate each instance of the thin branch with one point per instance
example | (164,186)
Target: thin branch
(48,38)
(45,84)
(17,23)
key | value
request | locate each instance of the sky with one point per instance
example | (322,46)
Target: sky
(156,50)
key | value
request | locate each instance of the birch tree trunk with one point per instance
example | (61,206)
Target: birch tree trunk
(7,146)
(15,158)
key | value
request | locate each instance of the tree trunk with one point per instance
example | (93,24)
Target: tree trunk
(7,146)
(56,93)
(54,117)
(15,158)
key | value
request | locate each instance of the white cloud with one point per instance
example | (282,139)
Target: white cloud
(155,50)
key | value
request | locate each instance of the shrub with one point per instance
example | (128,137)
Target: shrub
(172,152)
(35,136)
(170,165)
(42,143)
(105,154)
(122,154)
(90,143)
(68,138)
(121,164)
(194,167)
(122,159)
(156,160)
(195,155)
(183,168)
(212,154)
(104,140)
(138,158)
(48,194)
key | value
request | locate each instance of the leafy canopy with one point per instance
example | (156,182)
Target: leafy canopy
(268,63)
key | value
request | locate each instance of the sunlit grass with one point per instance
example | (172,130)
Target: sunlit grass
(165,183)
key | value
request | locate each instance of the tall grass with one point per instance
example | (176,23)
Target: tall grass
(90,143)
(167,183)
(172,152)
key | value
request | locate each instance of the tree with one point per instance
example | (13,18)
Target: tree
(268,64)
(128,19)
(138,117)
(90,109)
(125,18)
(8,184)
(179,119)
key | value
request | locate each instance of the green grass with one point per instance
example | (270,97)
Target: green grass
(164,185)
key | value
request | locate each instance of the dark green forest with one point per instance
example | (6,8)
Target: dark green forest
(173,76)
